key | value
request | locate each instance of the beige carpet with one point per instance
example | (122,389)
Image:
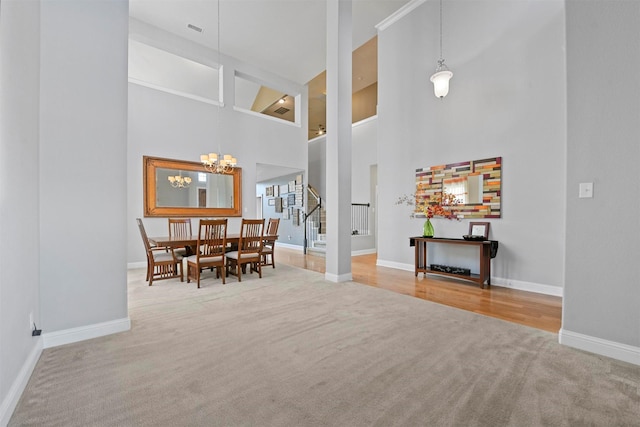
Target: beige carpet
(294,350)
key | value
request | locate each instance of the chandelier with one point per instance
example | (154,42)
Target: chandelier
(217,163)
(178,181)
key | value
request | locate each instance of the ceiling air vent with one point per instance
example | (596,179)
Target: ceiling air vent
(281,110)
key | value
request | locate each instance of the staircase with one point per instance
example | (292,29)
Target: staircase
(316,225)
(316,222)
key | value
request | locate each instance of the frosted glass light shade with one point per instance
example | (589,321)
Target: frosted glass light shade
(440,82)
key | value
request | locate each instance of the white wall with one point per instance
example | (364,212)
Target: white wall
(364,155)
(317,161)
(83,175)
(364,143)
(64,127)
(288,233)
(166,125)
(601,311)
(507,99)
(19,130)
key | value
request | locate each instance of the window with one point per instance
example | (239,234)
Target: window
(258,98)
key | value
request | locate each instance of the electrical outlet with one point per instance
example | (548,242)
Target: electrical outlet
(585,190)
(31,321)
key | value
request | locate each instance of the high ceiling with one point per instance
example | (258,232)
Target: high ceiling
(285,37)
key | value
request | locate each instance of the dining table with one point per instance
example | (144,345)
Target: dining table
(191,241)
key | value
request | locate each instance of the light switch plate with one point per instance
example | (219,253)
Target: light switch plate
(585,190)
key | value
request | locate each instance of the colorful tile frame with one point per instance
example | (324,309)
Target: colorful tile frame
(429,186)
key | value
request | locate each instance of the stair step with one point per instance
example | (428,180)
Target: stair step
(320,244)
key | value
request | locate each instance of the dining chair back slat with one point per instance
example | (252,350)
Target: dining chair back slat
(249,249)
(162,262)
(212,238)
(272,227)
(143,233)
(251,236)
(212,243)
(269,243)
(181,227)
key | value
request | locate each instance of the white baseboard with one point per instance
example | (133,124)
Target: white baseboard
(615,350)
(13,396)
(396,265)
(290,246)
(337,278)
(538,288)
(364,252)
(134,265)
(68,336)
(495,281)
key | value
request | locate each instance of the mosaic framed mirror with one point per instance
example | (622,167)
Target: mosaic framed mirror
(470,189)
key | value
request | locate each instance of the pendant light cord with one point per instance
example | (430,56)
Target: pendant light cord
(440,29)
(218,61)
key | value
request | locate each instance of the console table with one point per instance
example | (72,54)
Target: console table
(487,249)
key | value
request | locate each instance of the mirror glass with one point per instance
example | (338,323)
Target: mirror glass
(204,190)
(182,188)
(467,190)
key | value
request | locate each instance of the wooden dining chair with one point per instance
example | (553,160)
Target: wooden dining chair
(162,262)
(249,249)
(181,227)
(212,242)
(269,242)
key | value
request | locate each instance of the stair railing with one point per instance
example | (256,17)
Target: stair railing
(312,196)
(360,219)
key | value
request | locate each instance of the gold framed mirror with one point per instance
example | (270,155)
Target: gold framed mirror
(178,188)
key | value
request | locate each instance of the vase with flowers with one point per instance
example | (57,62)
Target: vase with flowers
(441,207)
(427,228)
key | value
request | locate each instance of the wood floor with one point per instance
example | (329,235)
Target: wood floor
(526,308)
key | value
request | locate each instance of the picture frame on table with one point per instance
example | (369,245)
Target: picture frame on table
(479,229)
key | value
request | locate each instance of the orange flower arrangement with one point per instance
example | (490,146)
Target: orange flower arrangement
(441,208)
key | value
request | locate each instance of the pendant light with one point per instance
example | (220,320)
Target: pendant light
(219,163)
(440,78)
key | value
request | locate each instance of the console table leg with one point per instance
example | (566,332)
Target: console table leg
(485,260)
(420,258)
(417,257)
